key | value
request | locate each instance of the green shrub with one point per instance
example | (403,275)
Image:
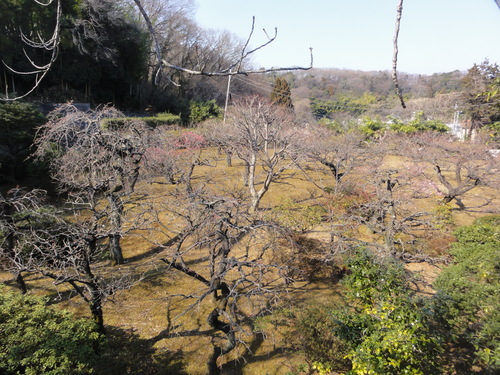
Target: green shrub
(469,291)
(443,215)
(488,220)
(201,111)
(418,124)
(152,121)
(376,127)
(384,329)
(35,339)
(373,127)
(372,279)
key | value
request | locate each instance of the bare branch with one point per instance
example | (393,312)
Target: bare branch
(162,63)
(51,44)
(395,54)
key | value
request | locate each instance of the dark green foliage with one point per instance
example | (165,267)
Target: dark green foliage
(372,279)
(35,339)
(482,94)
(390,332)
(201,111)
(281,93)
(35,21)
(469,291)
(18,123)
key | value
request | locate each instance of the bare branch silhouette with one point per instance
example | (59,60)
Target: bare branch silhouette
(395,54)
(230,71)
(52,45)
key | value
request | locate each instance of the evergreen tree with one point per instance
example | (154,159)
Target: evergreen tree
(481,85)
(281,93)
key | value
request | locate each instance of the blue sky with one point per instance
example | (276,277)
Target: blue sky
(436,35)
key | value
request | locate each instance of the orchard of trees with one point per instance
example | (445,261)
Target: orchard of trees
(277,235)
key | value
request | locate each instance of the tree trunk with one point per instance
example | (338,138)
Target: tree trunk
(116,212)
(214,322)
(96,310)
(229,159)
(448,199)
(20,283)
(115,249)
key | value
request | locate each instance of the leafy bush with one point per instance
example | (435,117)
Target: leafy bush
(35,339)
(469,291)
(376,127)
(201,111)
(372,279)
(418,124)
(383,331)
(373,127)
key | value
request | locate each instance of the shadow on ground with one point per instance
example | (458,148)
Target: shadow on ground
(126,353)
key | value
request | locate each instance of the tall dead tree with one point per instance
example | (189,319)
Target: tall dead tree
(399,93)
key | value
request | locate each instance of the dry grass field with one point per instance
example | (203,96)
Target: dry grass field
(148,334)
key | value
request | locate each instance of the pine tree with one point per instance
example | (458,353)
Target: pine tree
(281,93)
(482,85)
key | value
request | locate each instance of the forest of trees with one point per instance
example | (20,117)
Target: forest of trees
(274,235)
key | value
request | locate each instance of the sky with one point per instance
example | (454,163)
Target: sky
(436,36)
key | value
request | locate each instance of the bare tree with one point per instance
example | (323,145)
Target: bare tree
(234,67)
(38,239)
(259,134)
(458,166)
(14,206)
(174,157)
(399,93)
(95,156)
(51,45)
(235,267)
(339,153)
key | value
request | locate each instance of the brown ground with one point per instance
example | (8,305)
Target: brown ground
(149,340)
